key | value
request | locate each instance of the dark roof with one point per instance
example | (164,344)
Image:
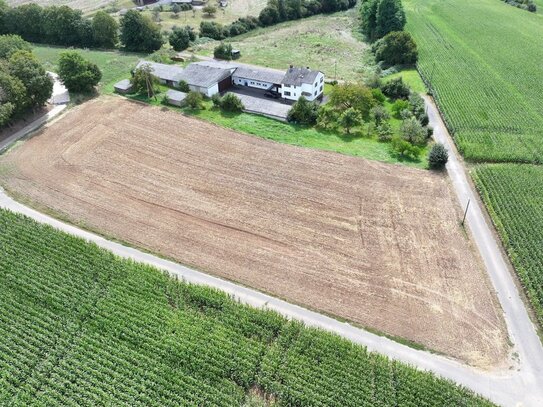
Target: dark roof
(203,76)
(298,76)
(163,71)
(259,74)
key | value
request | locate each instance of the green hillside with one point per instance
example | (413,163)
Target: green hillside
(484,61)
(79,326)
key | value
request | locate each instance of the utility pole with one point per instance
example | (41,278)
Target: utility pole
(465,212)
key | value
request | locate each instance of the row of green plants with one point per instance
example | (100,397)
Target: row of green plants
(79,326)
(512,193)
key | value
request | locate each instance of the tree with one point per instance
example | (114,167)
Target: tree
(223,51)
(404,148)
(396,48)
(231,103)
(144,82)
(214,30)
(303,111)
(10,44)
(269,16)
(78,74)
(354,95)
(379,115)
(4,8)
(210,10)
(438,157)
(327,117)
(61,25)
(12,92)
(413,132)
(368,14)
(39,85)
(194,100)
(384,132)
(105,30)
(176,9)
(139,33)
(390,17)
(396,89)
(180,39)
(349,119)
(26,20)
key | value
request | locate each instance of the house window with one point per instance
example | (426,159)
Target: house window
(294,86)
(322,79)
(316,83)
(321,88)
(287,93)
(315,93)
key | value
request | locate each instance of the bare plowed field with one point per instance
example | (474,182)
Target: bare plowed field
(376,244)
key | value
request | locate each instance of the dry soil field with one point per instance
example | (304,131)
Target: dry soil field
(373,243)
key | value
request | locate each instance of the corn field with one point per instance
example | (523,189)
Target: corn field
(482,60)
(80,327)
(512,192)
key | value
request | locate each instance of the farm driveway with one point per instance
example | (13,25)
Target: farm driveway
(256,102)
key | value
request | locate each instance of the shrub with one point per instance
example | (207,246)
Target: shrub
(213,30)
(396,48)
(438,157)
(194,100)
(413,132)
(303,112)
(396,89)
(78,74)
(179,38)
(144,82)
(10,44)
(183,86)
(404,148)
(416,105)
(379,115)
(216,100)
(378,95)
(327,117)
(223,51)
(210,10)
(384,132)
(231,103)
(350,118)
(398,107)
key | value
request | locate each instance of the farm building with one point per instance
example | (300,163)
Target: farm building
(302,82)
(166,74)
(175,97)
(207,80)
(260,78)
(123,87)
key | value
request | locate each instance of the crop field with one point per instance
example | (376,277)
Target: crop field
(353,238)
(324,42)
(513,195)
(484,63)
(79,326)
(115,65)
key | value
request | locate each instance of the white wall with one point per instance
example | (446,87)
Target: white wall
(212,90)
(314,89)
(251,83)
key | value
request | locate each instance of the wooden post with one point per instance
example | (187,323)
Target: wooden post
(465,212)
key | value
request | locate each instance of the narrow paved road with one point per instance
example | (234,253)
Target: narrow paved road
(519,387)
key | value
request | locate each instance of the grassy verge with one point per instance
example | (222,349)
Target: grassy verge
(411,77)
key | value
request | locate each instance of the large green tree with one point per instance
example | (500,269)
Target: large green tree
(39,86)
(62,25)
(139,33)
(396,48)
(78,74)
(390,17)
(10,44)
(369,16)
(180,38)
(353,95)
(105,30)
(13,93)
(27,21)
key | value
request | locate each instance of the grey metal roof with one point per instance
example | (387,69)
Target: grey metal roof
(203,76)
(298,76)
(176,95)
(163,71)
(123,85)
(259,74)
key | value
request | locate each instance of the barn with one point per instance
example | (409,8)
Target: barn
(208,80)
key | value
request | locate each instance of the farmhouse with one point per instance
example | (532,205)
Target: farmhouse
(166,74)
(302,82)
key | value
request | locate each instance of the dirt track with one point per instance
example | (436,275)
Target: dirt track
(374,243)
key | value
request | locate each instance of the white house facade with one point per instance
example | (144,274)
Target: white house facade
(302,82)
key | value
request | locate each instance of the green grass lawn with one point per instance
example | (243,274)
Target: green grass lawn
(115,65)
(325,42)
(411,77)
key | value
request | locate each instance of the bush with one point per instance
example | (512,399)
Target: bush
(404,148)
(416,105)
(78,74)
(413,132)
(379,115)
(396,89)
(398,107)
(216,100)
(303,112)
(378,95)
(223,51)
(183,86)
(213,30)
(231,103)
(384,132)
(194,100)
(210,10)
(10,44)
(396,48)
(438,157)
(350,118)
(180,38)
(327,117)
